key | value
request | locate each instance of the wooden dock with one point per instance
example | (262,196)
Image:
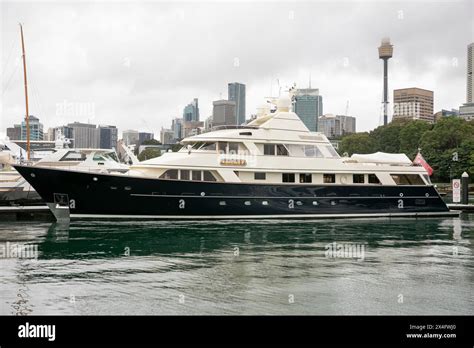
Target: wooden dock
(26,213)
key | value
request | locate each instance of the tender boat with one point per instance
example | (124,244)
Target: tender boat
(274,167)
(14,189)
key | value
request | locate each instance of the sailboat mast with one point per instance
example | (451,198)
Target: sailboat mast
(27,118)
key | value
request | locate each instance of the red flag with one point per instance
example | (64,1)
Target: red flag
(419,160)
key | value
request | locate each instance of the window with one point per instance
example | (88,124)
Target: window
(73,156)
(407,179)
(184,174)
(207,176)
(306,177)
(196,175)
(312,151)
(331,151)
(98,157)
(269,149)
(329,178)
(373,179)
(208,147)
(260,176)
(197,145)
(427,179)
(358,178)
(222,147)
(288,177)
(233,148)
(170,174)
(282,150)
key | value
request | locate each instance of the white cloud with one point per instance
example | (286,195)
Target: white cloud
(140,63)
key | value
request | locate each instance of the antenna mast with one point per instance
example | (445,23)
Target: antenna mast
(27,118)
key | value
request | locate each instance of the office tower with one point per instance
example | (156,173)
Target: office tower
(308,105)
(223,113)
(108,137)
(191,111)
(86,135)
(236,93)
(36,129)
(413,103)
(335,126)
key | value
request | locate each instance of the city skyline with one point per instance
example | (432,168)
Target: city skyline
(133,88)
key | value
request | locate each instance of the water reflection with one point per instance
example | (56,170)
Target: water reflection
(244,267)
(115,239)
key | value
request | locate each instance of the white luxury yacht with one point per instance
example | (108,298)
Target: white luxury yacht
(272,167)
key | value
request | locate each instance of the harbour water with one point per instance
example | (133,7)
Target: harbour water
(325,267)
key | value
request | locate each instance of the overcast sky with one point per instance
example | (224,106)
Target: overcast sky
(137,64)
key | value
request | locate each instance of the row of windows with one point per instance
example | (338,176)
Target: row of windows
(327,178)
(182,174)
(225,147)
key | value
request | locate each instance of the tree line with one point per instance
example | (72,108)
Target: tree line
(447,145)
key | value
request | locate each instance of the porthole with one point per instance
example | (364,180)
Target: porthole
(95,178)
(315,203)
(127,188)
(333,203)
(33,175)
(203,194)
(113,187)
(248,203)
(427,194)
(264,203)
(222,203)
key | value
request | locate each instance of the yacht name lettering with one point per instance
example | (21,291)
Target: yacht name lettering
(233,162)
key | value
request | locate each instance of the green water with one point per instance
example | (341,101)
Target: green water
(397,266)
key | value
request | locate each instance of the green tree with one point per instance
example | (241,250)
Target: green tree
(151,142)
(149,153)
(176,147)
(387,138)
(410,137)
(356,143)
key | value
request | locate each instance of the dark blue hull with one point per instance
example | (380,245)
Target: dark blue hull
(103,195)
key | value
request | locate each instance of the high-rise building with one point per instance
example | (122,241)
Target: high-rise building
(191,128)
(177,128)
(223,113)
(108,137)
(86,135)
(36,129)
(191,111)
(236,93)
(308,105)
(208,124)
(413,103)
(445,113)
(166,136)
(335,126)
(14,133)
(144,136)
(130,137)
(466,110)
